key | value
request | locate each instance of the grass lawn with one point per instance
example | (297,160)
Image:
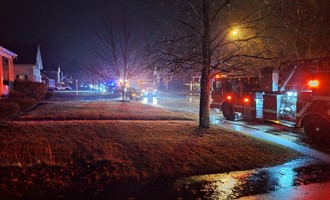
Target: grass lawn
(74,145)
(102,110)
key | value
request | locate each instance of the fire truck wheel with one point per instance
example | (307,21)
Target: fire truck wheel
(228,110)
(316,129)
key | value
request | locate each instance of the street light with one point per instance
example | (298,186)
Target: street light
(235,31)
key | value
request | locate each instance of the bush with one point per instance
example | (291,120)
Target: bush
(16,94)
(24,103)
(24,95)
(30,89)
(8,108)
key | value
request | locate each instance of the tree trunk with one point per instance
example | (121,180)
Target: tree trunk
(204,110)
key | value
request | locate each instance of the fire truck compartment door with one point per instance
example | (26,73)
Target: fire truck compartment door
(259,105)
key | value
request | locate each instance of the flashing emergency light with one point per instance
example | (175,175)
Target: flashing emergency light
(246,100)
(313,83)
(112,83)
(229,97)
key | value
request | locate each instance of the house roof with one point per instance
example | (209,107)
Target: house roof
(7,53)
(27,53)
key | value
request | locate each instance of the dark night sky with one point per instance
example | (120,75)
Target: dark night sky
(62,28)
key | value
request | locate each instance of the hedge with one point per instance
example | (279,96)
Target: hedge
(8,108)
(24,95)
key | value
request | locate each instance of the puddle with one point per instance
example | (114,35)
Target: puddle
(245,183)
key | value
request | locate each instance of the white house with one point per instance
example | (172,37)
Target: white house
(6,56)
(28,63)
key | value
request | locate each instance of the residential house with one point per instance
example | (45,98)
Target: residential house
(6,56)
(28,63)
(52,78)
(56,77)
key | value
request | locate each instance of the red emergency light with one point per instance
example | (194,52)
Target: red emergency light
(246,99)
(229,97)
(313,83)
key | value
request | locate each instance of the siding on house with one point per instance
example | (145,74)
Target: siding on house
(26,72)
(6,56)
(28,64)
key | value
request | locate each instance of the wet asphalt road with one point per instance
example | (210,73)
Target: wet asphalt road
(305,178)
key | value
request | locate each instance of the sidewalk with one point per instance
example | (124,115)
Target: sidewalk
(315,191)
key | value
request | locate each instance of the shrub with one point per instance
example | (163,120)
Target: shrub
(30,89)
(24,95)
(16,94)
(8,108)
(24,103)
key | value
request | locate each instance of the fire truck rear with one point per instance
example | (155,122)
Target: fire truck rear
(297,93)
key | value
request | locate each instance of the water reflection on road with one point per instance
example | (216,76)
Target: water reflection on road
(252,130)
(238,184)
(265,182)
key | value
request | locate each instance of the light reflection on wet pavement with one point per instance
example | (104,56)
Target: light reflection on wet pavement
(261,134)
(291,180)
(238,184)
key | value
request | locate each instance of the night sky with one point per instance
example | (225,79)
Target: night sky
(63,28)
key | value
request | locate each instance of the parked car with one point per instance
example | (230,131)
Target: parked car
(133,93)
(62,87)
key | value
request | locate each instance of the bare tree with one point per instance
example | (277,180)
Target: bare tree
(120,54)
(307,30)
(219,36)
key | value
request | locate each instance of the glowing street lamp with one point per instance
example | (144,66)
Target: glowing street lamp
(235,31)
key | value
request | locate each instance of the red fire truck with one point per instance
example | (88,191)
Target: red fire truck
(297,93)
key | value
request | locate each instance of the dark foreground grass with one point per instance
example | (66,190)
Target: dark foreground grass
(54,157)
